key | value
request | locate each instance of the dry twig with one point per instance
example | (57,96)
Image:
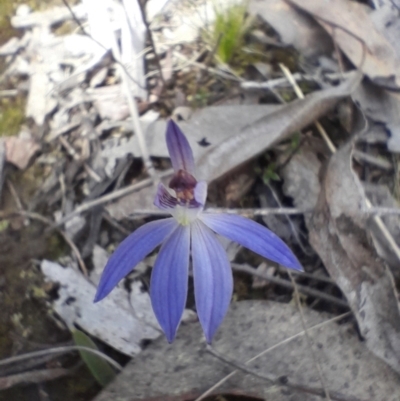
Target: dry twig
(287,284)
(34,376)
(60,350)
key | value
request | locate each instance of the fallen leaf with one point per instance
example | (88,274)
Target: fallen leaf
(249,140)
(300,179)
(99,260)
(281,225)
(99,368)
(235,134)
(351,27)
(127,205)
(110,102)
(381,106)
(115,149)
(376,133)
(141,304)
(294,27)
(379,195)
(387,21)
(110,320)
(20,150)
(12,46)
(39,102)
(168,370)
(213,124)
(339,234)
(54,15)
(133,36)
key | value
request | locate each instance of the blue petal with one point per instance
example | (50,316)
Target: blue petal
(163,199)
(252,235)
(179,149)
(213,283)
(169,281)
(131,251)
(200,192)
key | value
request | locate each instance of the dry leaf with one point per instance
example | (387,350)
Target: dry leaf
(387,20)
(126,206)
(381,63)
(167,370)
(294,28)
(285,227)
(248,141)
(235,134)
(52,16)
(381,106)
(19,150)
(211,125)
(300,179)
(111,320)
(110,101)
(40,102)
(12,46)
(207,127)
(338,232)
(379,195)
(133,34)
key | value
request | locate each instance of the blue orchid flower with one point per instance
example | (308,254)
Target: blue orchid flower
(190,232)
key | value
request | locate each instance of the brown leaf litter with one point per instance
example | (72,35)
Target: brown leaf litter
(250,328)
(339,234)
(356,35)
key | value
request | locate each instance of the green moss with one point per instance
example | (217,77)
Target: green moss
(6,11)
(12,115)
(228,31)
(4,225)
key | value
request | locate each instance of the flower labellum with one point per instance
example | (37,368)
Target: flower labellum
(190,231)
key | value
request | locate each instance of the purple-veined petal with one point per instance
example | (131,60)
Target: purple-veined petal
(200,192)
(252,235)
(213,282)
(169,281)
(163,199)
(179,149)
(131,251)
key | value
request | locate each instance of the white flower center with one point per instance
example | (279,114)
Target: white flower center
(185,215)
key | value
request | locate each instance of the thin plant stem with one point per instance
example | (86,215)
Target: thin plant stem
(60,350)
